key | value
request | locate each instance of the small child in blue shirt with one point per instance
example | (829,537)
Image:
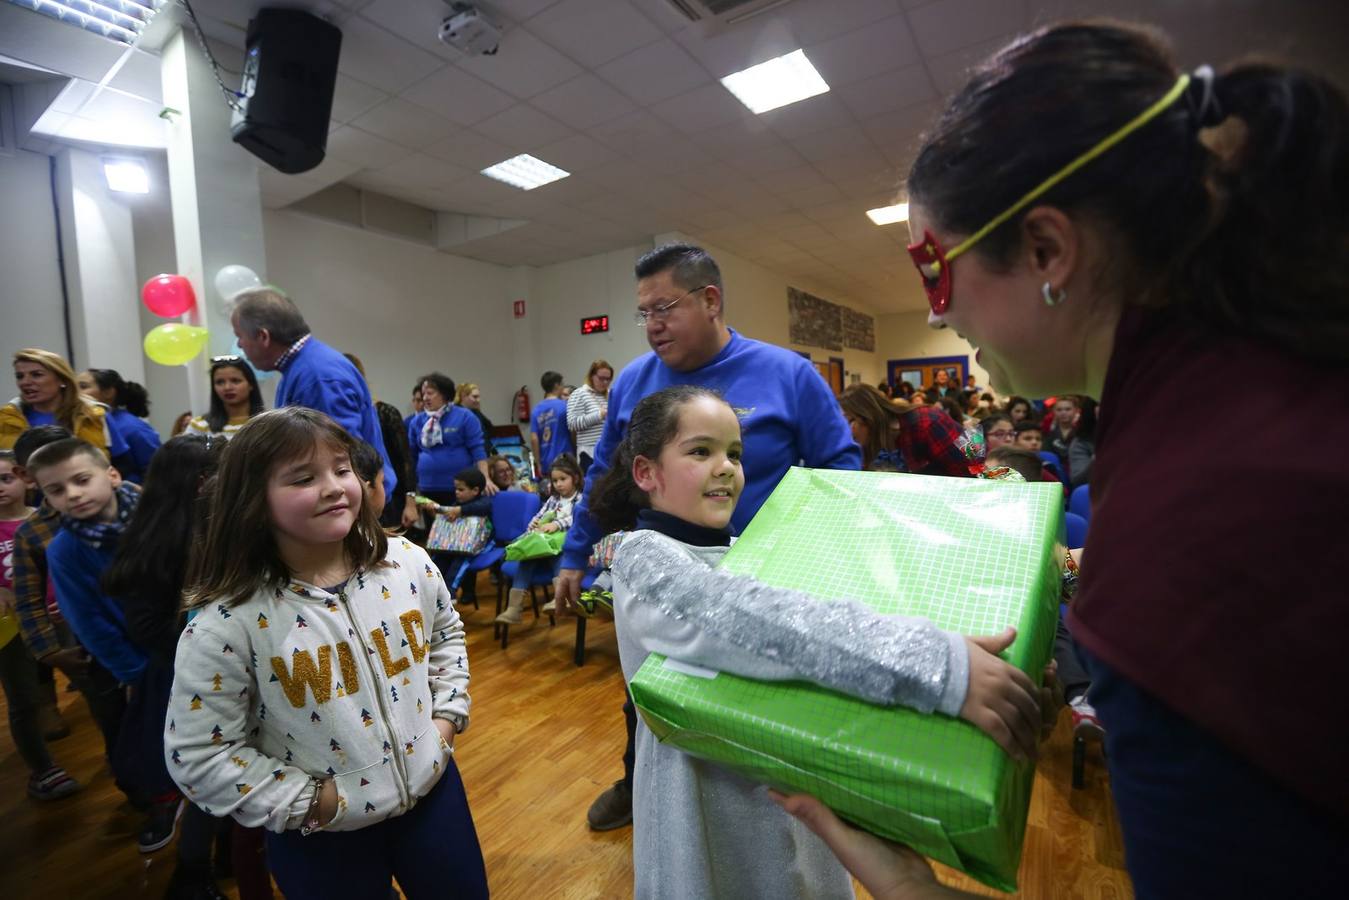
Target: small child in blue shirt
(469,485)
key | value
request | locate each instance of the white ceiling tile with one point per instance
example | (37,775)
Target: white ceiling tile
(523,66)
(766,159)
(584,102)
(811,197)
(633,133)
(520,10)
(864,53)
(815,22)
(420,170)
(523,128)
(788,181)
(663,15)
(678,155)
(373,55)
(140,75)
(951,24)
(887,92)
(470,150)
(593,32)
(749,43)
(352,97)
(701,108)
(415,21)
(578,153)
(808,116)
(458,96)
(405,123)
(655,72)
(836,141)
(366,150)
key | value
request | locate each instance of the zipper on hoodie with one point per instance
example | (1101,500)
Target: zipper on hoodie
(395,752)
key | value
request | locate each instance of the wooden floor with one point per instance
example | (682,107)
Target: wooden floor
(547,737)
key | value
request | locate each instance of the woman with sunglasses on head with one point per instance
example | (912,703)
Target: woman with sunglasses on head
(235,397)
(1151,232)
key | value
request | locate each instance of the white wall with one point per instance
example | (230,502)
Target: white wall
(30,289)
(756,306)
(562,294)
(403,308)
(907,336)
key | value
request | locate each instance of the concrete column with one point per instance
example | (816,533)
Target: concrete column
(100,261)
(217,208)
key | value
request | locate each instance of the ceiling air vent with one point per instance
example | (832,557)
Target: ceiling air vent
(726,12)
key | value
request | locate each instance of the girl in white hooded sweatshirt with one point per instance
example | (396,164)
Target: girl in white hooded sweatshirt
(319,689)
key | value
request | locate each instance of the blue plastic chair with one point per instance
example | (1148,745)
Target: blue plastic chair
(587,580)
(511,512)
(1079,502)
(1053,463)
(1076,526)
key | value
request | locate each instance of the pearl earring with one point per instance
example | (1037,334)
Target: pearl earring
(1052,299)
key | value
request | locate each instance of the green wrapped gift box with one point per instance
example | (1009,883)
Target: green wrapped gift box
(974,557)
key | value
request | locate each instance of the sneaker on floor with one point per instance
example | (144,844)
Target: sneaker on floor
(550,606)
(160,824)
(1085,722)
(612,809)
(52,784)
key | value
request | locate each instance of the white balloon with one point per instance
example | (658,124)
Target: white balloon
(232,279)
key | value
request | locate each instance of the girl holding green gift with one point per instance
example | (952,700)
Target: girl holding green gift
(553,518)
(700,830)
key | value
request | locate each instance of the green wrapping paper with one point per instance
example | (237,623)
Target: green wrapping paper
(973,557)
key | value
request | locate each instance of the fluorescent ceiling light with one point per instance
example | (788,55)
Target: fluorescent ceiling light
(126,175)
(118,20)
(889,215)
(525,171)
(775,83)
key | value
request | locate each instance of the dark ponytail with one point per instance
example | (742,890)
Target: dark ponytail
(127,395)
(616,499)
(1240,227)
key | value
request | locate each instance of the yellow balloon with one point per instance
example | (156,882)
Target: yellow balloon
(174,343)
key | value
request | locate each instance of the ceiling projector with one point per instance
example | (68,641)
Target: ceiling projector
(468,30)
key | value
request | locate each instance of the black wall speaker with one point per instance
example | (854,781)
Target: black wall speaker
(290,70)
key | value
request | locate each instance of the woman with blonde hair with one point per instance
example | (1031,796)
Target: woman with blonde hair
(586,409)
(470,398)
(50,395)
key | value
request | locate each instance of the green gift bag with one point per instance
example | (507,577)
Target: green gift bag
(972,556)
(535,545)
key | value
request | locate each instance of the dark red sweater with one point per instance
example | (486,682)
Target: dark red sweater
(1214,574)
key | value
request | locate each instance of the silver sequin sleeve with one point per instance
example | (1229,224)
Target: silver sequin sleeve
(670,598)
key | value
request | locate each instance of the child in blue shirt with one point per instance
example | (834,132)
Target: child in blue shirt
(96,508)
(548,434)
(469,487)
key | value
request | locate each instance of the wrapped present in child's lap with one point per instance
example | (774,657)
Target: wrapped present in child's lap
(971,556)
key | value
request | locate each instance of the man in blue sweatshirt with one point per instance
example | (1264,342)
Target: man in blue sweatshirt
(788,416)
(274,336)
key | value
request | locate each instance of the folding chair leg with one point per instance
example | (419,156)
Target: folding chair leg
(580,641)
(1079,761)
(534,600)
(505,635)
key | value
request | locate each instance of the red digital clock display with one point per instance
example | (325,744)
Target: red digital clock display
(594,325)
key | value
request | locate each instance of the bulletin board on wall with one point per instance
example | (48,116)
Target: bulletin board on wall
(921,371)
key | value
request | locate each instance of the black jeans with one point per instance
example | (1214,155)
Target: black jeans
(24,698)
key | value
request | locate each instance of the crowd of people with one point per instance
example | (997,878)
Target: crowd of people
(276,665)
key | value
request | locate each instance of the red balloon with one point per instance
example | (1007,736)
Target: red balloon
(168,295)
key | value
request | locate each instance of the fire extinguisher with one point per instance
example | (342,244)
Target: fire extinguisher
(520,403)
